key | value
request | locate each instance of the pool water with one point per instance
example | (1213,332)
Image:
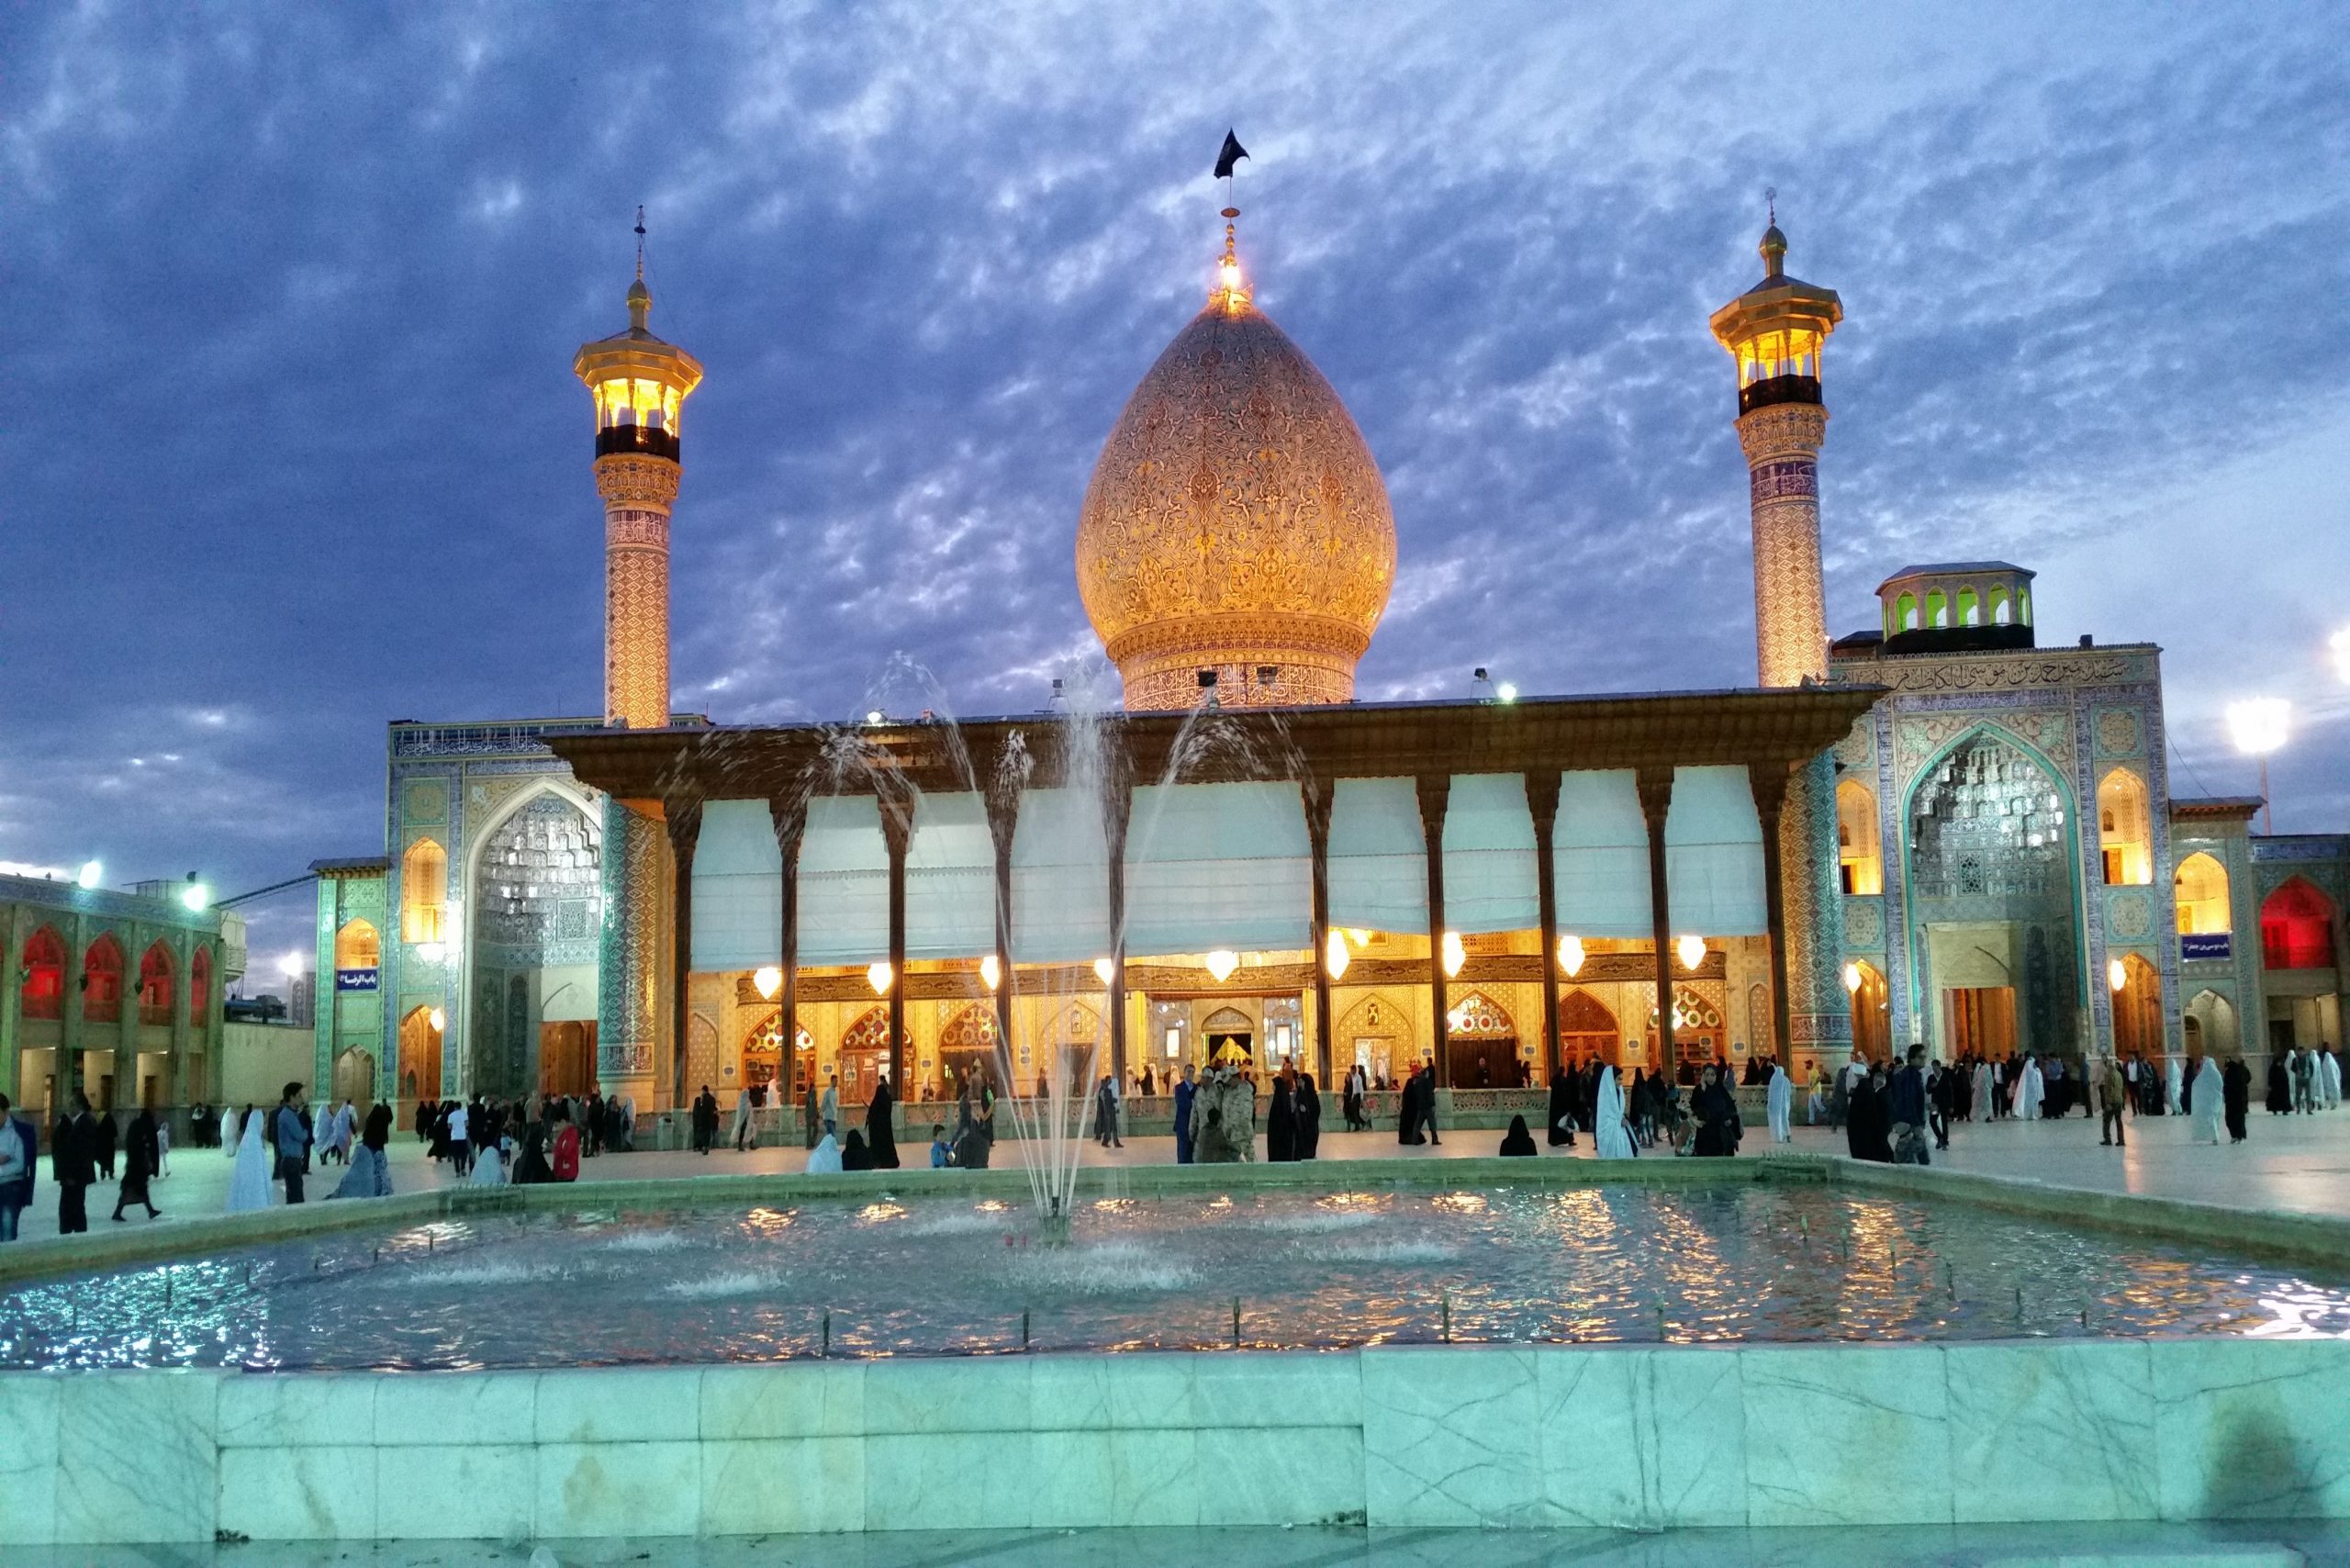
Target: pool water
(1252,1269)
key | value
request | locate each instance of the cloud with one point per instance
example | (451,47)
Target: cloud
(306,454)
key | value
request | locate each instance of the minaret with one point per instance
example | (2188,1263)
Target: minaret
(640,384)
(1775,330)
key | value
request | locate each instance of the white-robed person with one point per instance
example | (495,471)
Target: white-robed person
(2210,1100)
(1980,1100)
(2172,1085)
(1607,1112)
(824,1160)
(249,1186)
(742,1135)
(229,1132)
(2329,1068)
(489,1163)
(1779,1100)
(2034,1089)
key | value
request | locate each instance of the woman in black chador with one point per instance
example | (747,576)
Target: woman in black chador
(1309,1116)
(142,1155)
(2281,1086)
(2235,1093)
(879,1136)
(1559,1129)
(1715,1107)
(1281,1122)
(1517,1141)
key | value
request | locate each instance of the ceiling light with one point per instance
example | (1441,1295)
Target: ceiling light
(1455,954)
(766,981)
(1220,963)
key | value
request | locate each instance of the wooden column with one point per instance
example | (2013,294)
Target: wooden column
(1317,833)
(1435,791)
(790,820)
(684,820)
(1542,801)
(1656,801)
(897,833)
(1003,817)
(1769,782)
(1114,823)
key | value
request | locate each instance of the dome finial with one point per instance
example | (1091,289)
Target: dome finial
(640,298)
(1231,290)
(1774,244)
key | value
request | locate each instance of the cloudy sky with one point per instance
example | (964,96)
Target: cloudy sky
(293,447)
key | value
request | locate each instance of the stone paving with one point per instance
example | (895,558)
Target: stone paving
(2291,1164)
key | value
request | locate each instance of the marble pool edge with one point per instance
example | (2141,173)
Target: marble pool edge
(1617,1437)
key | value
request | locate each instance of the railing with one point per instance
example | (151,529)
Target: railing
(1777,390)
(651,440)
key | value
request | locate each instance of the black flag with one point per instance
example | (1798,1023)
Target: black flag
(1233,153)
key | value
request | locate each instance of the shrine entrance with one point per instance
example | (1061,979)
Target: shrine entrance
(1481,1044)
(1587,1032)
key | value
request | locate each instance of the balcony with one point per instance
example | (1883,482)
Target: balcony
(653,442)
(1772,390)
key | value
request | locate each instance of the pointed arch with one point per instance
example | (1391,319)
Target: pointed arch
(968,1050)
(1480,1039)
(1376,1035)
(41,994)
(156,968)
(102,965)
(2297,927)
(199,988)
(1588,1030)
(357,947)
(2200,889)
(2138,1009)
(2124,829)
(2212,1025)
(1872,1016)
(424,891)
(1859,854)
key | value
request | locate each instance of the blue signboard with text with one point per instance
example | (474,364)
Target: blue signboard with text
(354,979)
(2205,944)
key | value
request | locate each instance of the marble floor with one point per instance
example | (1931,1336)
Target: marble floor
(1982,1546)
(2293,1164)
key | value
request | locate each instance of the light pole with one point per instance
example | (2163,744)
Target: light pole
(2260,725)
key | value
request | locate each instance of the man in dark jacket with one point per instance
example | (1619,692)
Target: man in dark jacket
(1907,1108)
(70,1161)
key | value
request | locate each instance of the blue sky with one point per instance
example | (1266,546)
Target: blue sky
(293,447)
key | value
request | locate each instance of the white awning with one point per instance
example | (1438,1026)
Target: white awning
(1599,855)
(1378,865)
(1060,879)
(1212,866)
(1489,855)
(1713,855)
(844,882)
(950,878)
(737,888)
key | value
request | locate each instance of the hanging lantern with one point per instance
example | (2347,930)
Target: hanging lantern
(1103,970)
(880,976)
(1852,979)
(437,1019)
(1692,950)
(766,981)
(2116,976)
(1220,963)
(990,972)
(1571,956)
(1455,954)
(1334,957)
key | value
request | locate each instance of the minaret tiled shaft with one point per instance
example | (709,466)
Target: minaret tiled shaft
(638,492)
(1782,443)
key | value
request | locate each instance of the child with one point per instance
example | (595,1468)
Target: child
(940,1156)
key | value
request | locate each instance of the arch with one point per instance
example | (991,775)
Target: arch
(418,1077)
(1481,1042)
(966,1050)
(2138,1009)
(1872,1013)
(156,968)
(424,891)
(1588,1031)
(2023,606)
(357,947)
(2212,1025)
(2200,889)
(2002,608)
(1937,607)
(2297,927)
(2123,829)
(1904,612)
(41,994)
(1376,1035)
(864,1054)
(102,981)
(1970,607)
(762,1053)
(1859,856)
(353,1076)
(199,988)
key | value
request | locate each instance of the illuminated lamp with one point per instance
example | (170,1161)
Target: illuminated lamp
(195,895)
(766,981)
(290,966)
(89,875)
(1359,936)
(1692,950)
(1455,954)
(990,972)
(1506,692)
(2117,976)
(880,976)
(1220,963)
(437,1019)
(1335,958)
(1852,980)
(1571,956)
(1103,970)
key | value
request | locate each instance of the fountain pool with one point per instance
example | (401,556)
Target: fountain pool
(882,1274)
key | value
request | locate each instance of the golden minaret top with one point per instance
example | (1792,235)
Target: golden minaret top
(1235,540)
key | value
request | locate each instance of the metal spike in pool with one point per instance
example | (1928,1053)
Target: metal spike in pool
(1024,1327)
(827,1349)
(1236,1323)
(1444,1300)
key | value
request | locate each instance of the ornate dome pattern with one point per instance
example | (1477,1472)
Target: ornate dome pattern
(1236,522)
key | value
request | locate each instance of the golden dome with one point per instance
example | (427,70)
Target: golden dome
(1236,522)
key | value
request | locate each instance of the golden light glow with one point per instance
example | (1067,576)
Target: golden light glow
(1692,950)
(1455,954)
(1220,963)
(1103,970)
(437,1019)
(767,981)
(2117,976)
(990,972)
(1359,936)
(2259,725)
(1334,957)
(1571,956)
(1852,979)
(880,976)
